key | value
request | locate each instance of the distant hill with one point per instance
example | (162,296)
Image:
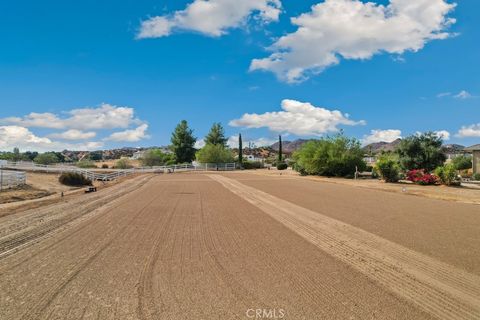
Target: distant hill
(289,146)
(378,147)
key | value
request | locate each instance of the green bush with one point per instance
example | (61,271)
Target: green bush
(462,163)
(247,165)
(47,158)
(388,168)
(337,156)
(155,157)
(123,164)
(85,164)
(214,153)
(282,166)
(74,179)
(476,176)
(447,174)
(421,152)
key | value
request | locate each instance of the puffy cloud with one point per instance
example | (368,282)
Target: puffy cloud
(382,136)
(104,117)
(297,118)
(469,131)
(73,134)
(200,144)
(212,17)
(132,135)
(352,29)
(444,134)
(463,95)
(21,137)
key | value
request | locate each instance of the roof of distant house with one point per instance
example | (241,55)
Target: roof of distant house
(475,147)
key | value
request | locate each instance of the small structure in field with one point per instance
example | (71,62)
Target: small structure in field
(475,151)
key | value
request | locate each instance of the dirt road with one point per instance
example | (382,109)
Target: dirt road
(240,246)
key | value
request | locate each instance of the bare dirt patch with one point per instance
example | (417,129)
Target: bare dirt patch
(466,193)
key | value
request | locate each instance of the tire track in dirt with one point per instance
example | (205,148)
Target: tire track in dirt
(55,290)
(437,288)
(20,231)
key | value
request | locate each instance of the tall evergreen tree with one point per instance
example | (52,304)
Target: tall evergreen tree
(183,143)
(216,136)
(240,150)
(280,148)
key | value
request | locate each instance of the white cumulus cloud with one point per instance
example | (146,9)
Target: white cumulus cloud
(104,117)
(257,142)
(469,131)
(132,135)
(24,139)
(73,134)
(210,17)
(444,134)
(352,29)
(299,118)
(389,135)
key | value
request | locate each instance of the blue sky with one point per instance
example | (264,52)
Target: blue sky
(389,70)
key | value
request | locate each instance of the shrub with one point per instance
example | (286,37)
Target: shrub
(462,163)
(420,177)
(476,176)
(155,157)
(74,179)
(214,153)
(247,165)
(337,156)
(104,166)
(85,164)
(47,158)
(123,164)
(447,174)
(421,151)
(282,166)
(388,168)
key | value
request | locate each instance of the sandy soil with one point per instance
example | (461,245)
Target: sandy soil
(467,193)
(196,246)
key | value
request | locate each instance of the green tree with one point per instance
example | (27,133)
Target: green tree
(96,155)
(336,156)
(240,150)
(16,154)
(280,149)
(212,153)
(421,151)
(216,135)
(183,143)
(462,163)
(388,167)
(155,157)
(47,158)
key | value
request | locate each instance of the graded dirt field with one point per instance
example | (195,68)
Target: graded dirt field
(241,246)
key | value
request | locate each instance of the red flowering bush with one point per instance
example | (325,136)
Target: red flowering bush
(419,176)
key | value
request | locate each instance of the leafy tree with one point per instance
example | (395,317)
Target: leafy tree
(421,151)
(336,156)
(280,149)
(462,163)
(240,150)
(16,154)
(29,156)
(388,167)
(155,157)
(96,155)
(212,153)
(216,135)
(123,164)
(183,143)
(47,158)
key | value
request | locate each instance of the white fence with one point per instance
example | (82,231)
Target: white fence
(11,179)
(100,174)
